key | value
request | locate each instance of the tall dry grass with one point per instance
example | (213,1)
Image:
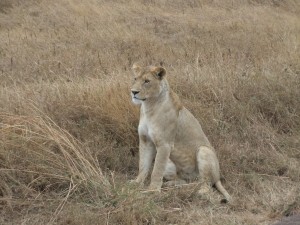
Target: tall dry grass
(68,129)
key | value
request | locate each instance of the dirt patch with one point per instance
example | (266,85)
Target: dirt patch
(291,220)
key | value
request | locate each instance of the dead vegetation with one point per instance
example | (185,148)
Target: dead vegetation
(68,139)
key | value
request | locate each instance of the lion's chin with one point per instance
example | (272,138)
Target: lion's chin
(136,101)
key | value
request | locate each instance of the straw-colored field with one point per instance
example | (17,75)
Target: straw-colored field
(68,129)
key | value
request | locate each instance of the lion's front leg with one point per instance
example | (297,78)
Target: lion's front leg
(161,159)
(147,153)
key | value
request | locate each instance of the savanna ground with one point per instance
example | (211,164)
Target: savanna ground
(68,130)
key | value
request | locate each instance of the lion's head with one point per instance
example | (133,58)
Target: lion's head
(149,83)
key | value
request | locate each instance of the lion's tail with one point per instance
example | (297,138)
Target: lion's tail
(221,189)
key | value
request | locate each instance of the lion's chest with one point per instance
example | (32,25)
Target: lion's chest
(146,129)
(143,128)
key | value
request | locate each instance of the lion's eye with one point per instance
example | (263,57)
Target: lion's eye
(135,78)
(147,81)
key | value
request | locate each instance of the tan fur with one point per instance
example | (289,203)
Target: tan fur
(171,135)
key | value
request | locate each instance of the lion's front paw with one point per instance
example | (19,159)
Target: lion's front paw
(135,182)
(151,190)
(155,187)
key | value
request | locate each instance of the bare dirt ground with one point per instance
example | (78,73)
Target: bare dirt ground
(291,220)
(68,130)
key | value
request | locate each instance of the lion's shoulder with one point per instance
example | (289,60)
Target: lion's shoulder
(176,101)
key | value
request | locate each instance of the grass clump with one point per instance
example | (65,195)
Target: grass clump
(68,131)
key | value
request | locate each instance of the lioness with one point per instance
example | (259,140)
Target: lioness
(169,133)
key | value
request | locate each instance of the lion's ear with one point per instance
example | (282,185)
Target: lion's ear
(136,68)
(159,71)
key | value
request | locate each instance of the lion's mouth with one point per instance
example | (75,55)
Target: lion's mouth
(141,99)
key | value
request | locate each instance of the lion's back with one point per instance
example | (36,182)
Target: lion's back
(189,131)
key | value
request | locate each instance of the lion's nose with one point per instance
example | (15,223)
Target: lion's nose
(135,92)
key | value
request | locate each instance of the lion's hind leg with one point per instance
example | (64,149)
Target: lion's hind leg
(170,174)
(208,166)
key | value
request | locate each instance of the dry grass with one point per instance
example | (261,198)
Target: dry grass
(68,139)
